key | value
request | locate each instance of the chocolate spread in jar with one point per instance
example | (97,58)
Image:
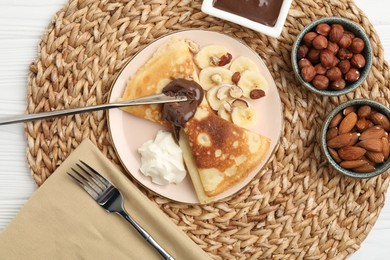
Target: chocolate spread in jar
(180,113)
(261,11)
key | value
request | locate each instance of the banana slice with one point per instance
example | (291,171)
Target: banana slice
(214,76)
(235,92)
(217,95)
(244,117)
(224,114)
(252,80)
(209,56)
(242,63)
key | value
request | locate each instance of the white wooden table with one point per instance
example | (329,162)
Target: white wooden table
(22,23)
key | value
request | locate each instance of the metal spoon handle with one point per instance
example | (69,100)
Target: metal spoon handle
(156,99)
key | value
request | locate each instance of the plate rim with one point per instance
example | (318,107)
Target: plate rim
(128,172)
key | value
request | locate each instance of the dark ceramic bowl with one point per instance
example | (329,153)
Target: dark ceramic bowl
(348,26)
(357,102)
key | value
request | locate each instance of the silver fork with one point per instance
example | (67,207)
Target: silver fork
(110,198)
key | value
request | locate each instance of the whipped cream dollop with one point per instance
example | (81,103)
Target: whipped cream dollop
(162,159)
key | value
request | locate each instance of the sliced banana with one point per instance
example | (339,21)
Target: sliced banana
(235,92)
(217,95)
(224,114)
(210,55)
(244,117)
(242,63)
(214,76)
(252,80)
(223,92)
(211,96)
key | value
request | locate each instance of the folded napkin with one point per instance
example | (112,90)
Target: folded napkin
(61,221)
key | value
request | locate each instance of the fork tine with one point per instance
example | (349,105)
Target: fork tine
(85,184)
(95,179)
(100,177)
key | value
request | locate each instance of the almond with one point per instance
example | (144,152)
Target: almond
(350,153)
(385,148)
(374,132)
(373,145)
(364,168)
(353,164)
(332,132)
(369,161)
(364,111)
(380,119)
(336,120)
(334,155)
(375,157)
(348,110)
(348,123)
(361,124)
(343,140)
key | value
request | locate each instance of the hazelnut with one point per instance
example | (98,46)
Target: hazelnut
(334,73)
(349,34)
(256,93)
(323,29)
(302,51)
(327,58)
(344,54)
(303,63)
(320,82)
(352,75)
(344,66)
(308,73)
(223,60)
(308,38)
(336,61)
(236,77)
(320,42)
(313,56)
(357,45)
(333,47)
(345,41)
(320,70)
(336,32)
(337,25)
(358,61)
(338,84)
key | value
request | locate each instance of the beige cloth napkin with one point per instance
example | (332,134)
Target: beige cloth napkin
(61,221)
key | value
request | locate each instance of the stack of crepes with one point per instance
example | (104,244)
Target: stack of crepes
(218,154)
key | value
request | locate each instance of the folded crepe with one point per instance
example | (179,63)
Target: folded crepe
(217,153)
(172,60)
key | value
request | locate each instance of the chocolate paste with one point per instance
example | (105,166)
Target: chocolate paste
(179,113)
(261,11)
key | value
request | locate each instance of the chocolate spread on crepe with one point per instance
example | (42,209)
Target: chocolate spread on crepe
(172,60)
(181,112)
(218,154)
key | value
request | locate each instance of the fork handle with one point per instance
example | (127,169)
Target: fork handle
(146,235)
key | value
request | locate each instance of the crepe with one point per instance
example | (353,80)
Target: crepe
(171,60)
(218,154)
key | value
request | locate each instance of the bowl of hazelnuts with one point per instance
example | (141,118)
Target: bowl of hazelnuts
(355,138)
(332,56)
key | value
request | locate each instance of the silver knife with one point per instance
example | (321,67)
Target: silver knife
(155,99)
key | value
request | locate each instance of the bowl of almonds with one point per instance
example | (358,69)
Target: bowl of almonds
(355,138)
(331,56)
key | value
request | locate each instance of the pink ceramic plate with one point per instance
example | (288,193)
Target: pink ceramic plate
(128,132)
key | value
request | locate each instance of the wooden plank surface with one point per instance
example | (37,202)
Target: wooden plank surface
(22,23)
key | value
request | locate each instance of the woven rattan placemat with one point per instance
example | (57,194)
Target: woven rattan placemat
(298,207)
